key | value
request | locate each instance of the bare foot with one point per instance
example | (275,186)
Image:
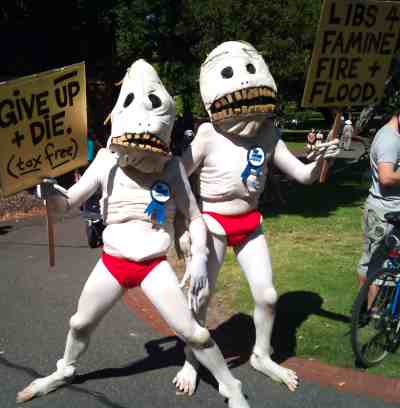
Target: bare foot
(278,373)
(234,394)
(186,379)
(45,385)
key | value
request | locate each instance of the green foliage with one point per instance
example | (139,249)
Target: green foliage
(178,35)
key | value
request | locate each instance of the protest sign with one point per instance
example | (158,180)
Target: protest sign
(43,127)
(355,44)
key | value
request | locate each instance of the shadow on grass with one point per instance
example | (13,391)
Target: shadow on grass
(317,200)
(236,336)
(293,309)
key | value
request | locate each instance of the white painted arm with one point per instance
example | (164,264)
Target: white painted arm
(195,153)
(293,167)
(81,190)
(196,267)
(89,182)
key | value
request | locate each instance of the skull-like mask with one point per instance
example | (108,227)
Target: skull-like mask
(237,88)
(142,120)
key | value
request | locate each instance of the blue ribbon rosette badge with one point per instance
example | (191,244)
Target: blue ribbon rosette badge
(160,194)
(255,160)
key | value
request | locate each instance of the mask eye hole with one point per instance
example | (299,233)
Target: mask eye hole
(227,72)
(251,68)
(129,99)
(155,101)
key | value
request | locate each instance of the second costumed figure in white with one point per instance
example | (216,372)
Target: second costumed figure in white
(230,157)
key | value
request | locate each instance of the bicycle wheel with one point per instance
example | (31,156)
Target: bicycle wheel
(371,326)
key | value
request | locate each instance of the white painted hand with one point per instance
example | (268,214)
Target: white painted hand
(49,188)
(186,275)
(326,150)
(199,287)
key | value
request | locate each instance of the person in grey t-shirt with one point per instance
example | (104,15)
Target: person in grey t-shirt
(384,196)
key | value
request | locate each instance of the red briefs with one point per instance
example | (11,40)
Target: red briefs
(237,227)
(129,273)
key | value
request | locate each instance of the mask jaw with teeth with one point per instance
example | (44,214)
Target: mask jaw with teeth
(142,120)
(237,88)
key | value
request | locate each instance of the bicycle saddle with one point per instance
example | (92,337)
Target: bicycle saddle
(393,217)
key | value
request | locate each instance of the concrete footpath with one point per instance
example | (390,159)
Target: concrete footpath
(132,358)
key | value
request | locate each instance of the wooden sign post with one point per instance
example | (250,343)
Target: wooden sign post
(50,235)
(331,136)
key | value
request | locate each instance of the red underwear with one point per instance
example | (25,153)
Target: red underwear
(237,227)
(128,273)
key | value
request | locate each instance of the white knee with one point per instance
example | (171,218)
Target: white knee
(79,324)
(269,297)
(199,336)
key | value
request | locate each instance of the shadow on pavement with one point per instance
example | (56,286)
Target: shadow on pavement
(235,337)
(165,352)
(5,229)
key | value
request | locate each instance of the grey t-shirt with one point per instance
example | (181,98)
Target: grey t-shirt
(385,148)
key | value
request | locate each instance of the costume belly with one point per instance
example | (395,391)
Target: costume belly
(129,274)
(126,240)
(237,227)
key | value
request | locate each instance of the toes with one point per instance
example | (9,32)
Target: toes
(293,382)
(184,388)
(25,395)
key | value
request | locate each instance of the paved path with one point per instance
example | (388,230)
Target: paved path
(129,363)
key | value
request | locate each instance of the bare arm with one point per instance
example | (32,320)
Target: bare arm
(387,175)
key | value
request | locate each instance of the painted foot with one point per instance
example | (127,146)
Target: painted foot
(278,373)
(185,380)
(234,395)
(45,385)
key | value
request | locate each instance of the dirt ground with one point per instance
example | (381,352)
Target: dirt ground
(22,205)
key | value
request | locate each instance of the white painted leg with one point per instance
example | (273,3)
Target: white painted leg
(254,259)
(99,294)
(186,378)
(161,286)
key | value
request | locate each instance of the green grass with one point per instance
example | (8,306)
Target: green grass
(296,146)
(315,244)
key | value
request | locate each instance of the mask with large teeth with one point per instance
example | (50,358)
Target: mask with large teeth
(237,88)
(142,120)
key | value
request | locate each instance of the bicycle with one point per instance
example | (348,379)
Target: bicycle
(375,327)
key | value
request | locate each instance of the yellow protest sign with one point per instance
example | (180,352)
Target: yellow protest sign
(43,127)
(355,44)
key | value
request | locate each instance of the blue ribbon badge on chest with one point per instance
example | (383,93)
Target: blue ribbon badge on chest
(160,194)
(255,161)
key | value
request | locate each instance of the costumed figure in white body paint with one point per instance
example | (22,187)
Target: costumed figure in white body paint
(142,186)
(230,157)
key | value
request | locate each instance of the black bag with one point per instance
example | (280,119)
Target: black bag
(94,232)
